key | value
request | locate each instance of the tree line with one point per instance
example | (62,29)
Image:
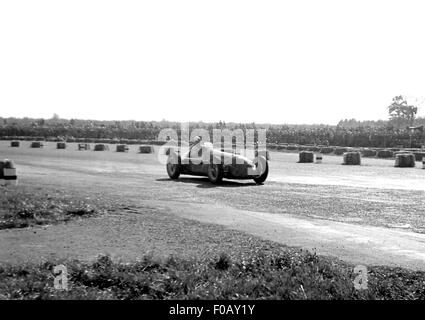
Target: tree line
(403,129)
(348,133)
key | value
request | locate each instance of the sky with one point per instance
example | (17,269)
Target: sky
(239,61)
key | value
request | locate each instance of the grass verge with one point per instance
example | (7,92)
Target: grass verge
(280,274)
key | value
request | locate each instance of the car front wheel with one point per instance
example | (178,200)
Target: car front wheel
(173,169)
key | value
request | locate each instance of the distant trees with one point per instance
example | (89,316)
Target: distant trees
(353,123)
(349,132)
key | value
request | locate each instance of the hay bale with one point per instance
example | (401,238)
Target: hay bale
(37,144)
(5,164)
(326,150)
(83,146)
(368,153)
(401,152)
(146,149)
(9,164)
(412,150)
(306,157)
(101,147)
(340,151)
(122,148)
(102,141)
(405,160)
(61,145)
(15,144)
(272,146)
(292,147)
(385,154)
(156,142)
(352,158)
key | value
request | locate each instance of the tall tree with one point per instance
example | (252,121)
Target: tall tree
(401,113)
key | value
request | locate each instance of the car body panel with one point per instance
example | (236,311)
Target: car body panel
(235,166)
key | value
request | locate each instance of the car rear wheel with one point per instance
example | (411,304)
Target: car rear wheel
(215,173)
(173,168)
(261,161)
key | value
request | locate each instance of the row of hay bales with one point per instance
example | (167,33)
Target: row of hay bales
(385,154)
(349,158)
(23,138)
(85,146)
(85,140)
(365,152)
(402,159)
(37,144)
(391,153)
(123,148)
(340,151)
(326,150)
(419,156)
(116,141)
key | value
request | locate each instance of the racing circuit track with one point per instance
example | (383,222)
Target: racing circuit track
(370,214)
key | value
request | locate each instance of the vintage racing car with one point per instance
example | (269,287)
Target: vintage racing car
(203,160)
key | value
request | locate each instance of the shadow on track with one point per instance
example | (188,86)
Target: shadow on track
(205,183)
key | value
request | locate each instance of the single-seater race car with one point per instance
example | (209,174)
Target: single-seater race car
(203,160)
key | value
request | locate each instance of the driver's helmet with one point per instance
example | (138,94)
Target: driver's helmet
(195,141)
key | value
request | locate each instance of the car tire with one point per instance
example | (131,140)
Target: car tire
(263,177)
(215,173)
(173,168)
